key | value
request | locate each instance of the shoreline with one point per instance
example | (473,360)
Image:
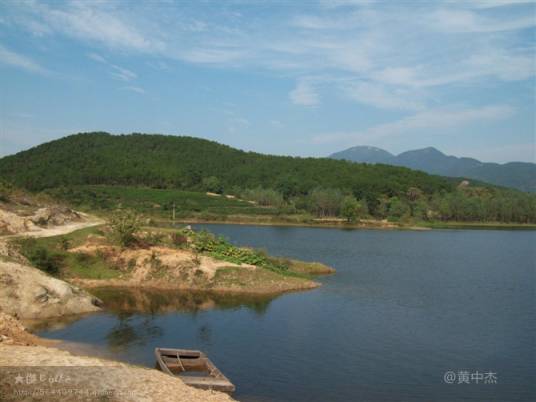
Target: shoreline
(89,284)
(328,225)
(350,226)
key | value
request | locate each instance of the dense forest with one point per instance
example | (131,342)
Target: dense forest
(319,186)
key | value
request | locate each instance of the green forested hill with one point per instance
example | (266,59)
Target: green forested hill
(183,162)
(319,186)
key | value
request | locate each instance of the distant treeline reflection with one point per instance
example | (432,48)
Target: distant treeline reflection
(149,301)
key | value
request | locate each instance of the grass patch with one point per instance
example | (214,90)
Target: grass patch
(265,280)
(41,257)
(50,255)
(304,267)
(88,267)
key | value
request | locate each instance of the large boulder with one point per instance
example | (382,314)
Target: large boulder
(28,293)
(12,223)
(54,216)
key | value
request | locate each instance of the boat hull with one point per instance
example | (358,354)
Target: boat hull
(193,367)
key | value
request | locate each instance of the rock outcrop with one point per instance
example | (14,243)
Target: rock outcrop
(13,223)
(28,293)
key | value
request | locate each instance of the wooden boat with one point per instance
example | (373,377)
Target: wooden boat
(193,367)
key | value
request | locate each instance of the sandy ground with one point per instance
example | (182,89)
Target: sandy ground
(37,373)
(12,332)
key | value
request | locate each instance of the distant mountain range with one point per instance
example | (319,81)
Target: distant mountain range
(519,175)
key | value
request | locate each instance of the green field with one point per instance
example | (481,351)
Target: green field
(156,203)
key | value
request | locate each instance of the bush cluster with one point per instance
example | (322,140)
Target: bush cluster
(40,257)
(218,247)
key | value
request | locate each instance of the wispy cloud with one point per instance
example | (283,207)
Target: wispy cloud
(218,56)
(134,89)
(98,22)
(388,43)
(498,3)
(382,96)
(455,21)
(304,94)
(277,124)
(159,65)
(118,72)
(384,55)
(438,119)
(344,3)
(235,124)
(18,60)
(97,57)
(123,73)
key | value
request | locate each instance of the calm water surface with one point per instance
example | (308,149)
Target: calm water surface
(404,308)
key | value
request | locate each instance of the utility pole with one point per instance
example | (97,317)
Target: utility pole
(173,213)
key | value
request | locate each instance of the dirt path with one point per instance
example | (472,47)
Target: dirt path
(88,221)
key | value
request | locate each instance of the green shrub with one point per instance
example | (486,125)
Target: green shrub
(349,208)
(5,191)
(218,247)
(154,238)
(179,239)
(213,184)
(124,224)
(65,243)
(82,258)
(40,257)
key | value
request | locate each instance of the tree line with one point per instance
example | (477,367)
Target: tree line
(320,186)
(464,205)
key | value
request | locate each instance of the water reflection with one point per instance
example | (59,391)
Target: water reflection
(53,323)
(403,308)
(146,301)
(132,330)
(124,303)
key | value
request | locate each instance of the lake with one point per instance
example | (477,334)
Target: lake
(403,309)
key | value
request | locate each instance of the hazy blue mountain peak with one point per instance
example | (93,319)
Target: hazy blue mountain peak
(519,175)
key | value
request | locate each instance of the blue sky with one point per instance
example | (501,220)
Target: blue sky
(286,77)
